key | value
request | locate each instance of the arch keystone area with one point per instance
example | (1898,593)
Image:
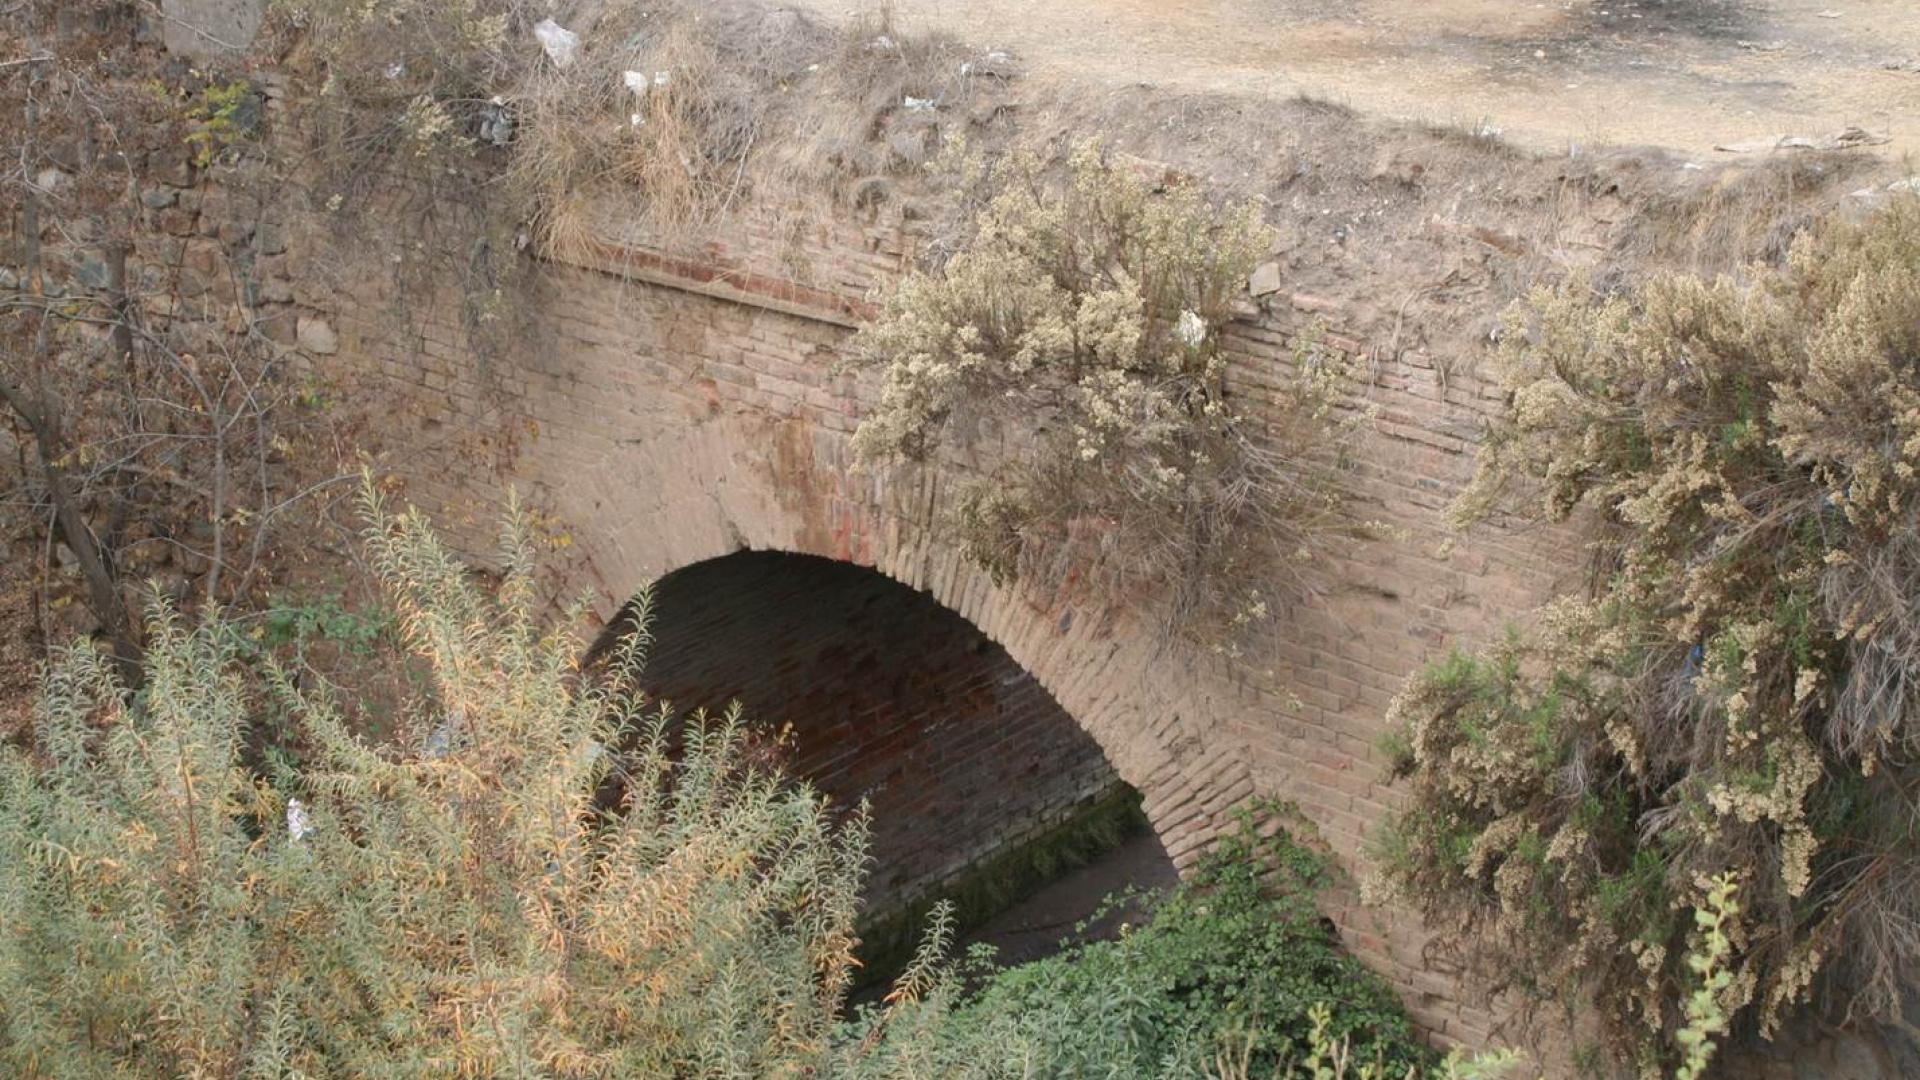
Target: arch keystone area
(727,497)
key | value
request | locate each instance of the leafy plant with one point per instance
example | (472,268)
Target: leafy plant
(325,618)
(226,114)
(1233,965)
(1739,696)
(1706,1019)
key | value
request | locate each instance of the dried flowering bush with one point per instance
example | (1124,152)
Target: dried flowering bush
(1073,346)
(1737,702)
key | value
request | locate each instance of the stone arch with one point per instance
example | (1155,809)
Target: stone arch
(746,484)
(977,781)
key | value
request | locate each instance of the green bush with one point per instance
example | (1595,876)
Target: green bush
(1231,975)
(1236,960)
(473,902)
(1737,702)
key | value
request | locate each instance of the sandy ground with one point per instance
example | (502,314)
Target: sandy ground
(1688,75)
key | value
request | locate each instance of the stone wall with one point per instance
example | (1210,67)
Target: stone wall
(211,29)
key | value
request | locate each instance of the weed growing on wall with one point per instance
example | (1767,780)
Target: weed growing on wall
(1736,704)
(452,124)
(677,112)
(1074,347)
(225,115)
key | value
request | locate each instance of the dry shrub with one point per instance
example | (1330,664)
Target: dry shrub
(401,79)
(1740,214)
(680,142)
(1074,347)
(740,103)
(1739,697)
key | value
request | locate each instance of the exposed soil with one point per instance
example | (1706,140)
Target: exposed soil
(1687,75)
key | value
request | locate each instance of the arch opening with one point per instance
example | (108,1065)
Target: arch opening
(982,788)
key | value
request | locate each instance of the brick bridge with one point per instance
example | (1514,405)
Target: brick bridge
(681,421)
(677,418)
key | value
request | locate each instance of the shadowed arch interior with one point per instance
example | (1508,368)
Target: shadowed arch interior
(879,693)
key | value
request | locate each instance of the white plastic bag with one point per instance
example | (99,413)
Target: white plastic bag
(561,43)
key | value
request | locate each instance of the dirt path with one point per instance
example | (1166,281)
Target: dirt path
(1688,75)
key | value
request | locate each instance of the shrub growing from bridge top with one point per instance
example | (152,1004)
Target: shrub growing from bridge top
(1073,346)
(1739,700)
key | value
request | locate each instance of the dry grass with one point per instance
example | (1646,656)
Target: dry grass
(739,103)
(671,114)
(1737,216)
